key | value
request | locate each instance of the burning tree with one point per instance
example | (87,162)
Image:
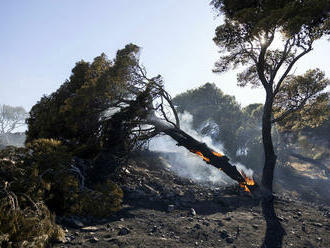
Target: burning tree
(114,106)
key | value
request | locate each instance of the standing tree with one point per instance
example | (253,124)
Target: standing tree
(11,118)
(267,38)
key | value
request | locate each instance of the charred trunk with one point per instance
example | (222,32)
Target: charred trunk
(270,157)
(211,157)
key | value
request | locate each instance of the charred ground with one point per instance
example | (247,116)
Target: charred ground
(164,210)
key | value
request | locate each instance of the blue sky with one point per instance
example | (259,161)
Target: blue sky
(42,40)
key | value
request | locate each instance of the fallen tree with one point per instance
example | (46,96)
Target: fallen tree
(151,119)
(113,107)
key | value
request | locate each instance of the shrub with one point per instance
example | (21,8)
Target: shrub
(39,179)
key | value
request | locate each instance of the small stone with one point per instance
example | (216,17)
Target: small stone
(192,212)
(170,208)
(197,226)
(122,219)
(205,223)
(229,240)
(317,224)
(224,234)
(227,218)
(255,226)
(220,223)
(124,231)
(93,240)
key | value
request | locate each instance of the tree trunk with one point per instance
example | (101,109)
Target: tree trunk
(270,157)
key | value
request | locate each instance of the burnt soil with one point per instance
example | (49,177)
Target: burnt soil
(161,209)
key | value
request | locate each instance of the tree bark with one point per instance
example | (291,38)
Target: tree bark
(270,157)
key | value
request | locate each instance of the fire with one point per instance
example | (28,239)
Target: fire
(218,154)
(202,156)
(248,182)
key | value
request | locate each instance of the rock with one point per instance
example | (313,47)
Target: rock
(205,223)
(220,223)
(229,240)
(170,208)
(317,224)
(93,240)
(124,231)
(227,218)
(255,226)
(192,212)
(197,226)
(154,229)
(224,234)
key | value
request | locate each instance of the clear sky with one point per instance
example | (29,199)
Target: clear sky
(41,40)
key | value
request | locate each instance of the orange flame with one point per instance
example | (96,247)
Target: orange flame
(202,156)
(218,154)
(248,181)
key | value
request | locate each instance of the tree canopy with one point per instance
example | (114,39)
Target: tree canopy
(209,103)
(247,38)
(11,118)
(104,105)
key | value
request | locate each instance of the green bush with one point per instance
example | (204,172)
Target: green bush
(38,180)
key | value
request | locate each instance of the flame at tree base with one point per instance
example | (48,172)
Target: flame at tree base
(248,182)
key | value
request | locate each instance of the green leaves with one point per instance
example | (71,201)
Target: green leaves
(73,113)
(302,101)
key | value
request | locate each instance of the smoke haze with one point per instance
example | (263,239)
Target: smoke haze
(188,165)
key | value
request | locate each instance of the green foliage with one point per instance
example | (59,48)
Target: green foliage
(208,103)
(302,101)
(246,38)
(74,112)
(290,15)
(24,219)
(42,178)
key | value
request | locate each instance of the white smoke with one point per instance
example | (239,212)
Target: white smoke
(189,165)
